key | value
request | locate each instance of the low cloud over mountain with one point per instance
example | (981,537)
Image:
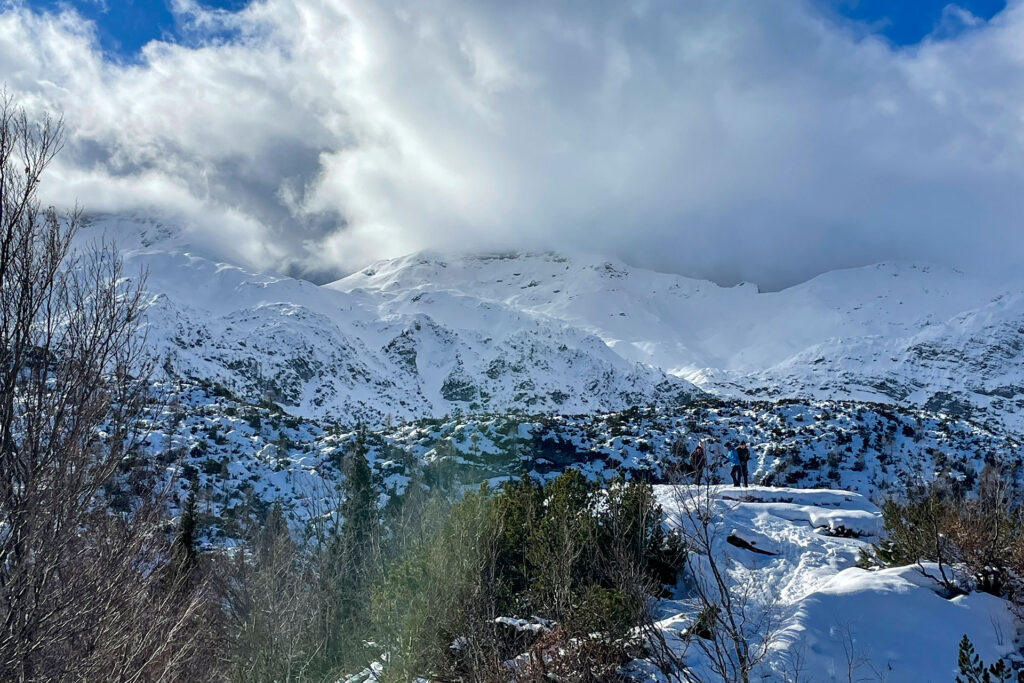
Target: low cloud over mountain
(739,141)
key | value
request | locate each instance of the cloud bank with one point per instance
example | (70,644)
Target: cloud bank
(716,138)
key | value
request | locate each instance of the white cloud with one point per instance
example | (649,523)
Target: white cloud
(731,139)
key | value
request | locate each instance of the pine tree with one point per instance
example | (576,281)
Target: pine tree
(973,670)
(359,507)
(353,551)
(561,546)
(183,548)
(274,538)
(518,511)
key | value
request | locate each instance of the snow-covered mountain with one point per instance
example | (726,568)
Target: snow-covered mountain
(429,334)
(325,353)
(897,333)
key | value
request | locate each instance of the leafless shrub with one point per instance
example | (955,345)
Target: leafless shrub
(976,542)
(84,592)
(736,624)
(274,608)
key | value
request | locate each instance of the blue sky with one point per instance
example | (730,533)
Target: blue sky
(907,22)
(124,26)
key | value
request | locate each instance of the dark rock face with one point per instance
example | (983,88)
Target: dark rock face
(947,403)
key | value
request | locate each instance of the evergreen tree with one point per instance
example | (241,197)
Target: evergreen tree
(561,547)
(274,538)
(519,509)
(183,547)
(353,553)
(973,670)
(631,532)
(359,507)
(440,592)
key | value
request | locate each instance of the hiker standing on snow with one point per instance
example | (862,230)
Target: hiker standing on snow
(734,460)
(744,457)
(698,460)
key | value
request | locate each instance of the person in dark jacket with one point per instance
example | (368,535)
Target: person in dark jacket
(743,454)
(698,461)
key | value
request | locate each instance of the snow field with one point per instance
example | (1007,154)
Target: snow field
(833,620)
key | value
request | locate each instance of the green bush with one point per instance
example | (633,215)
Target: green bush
(973,670)
(982,534)
(567,552)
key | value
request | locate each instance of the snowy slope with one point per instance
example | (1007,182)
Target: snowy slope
(328,354)
(910,334)
(830,620)
(536,351)
(681,324)
(429,334)
(246,457)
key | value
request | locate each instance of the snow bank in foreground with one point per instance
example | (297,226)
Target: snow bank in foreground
(834,621)
(890,625)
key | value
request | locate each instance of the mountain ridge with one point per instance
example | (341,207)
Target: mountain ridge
(431,333)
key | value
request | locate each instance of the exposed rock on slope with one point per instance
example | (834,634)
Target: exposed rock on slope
(428,334)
